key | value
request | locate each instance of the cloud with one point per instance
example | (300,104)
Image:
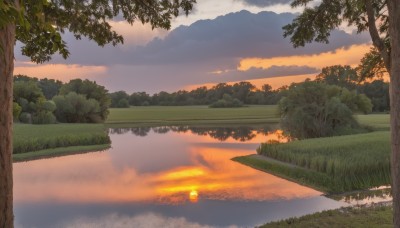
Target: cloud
(265,3)
(259,73)
(187,54)
(139,221)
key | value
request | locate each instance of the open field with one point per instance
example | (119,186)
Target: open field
(193,115)
(28,137)
(380,122)
(377,216)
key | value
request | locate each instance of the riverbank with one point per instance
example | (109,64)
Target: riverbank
(334,165)
(38,141)
(371,216)
(57,152)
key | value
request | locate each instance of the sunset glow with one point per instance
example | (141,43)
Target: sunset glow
(101,181)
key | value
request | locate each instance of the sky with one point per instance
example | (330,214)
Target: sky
(220,41)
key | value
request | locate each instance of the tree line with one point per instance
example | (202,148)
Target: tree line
(47,101)
(226,95)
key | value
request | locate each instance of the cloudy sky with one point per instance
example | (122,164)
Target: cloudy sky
(221,41)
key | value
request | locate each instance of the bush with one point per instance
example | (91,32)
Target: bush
(44,117)
(227,102)
(76,108)
(123,103)
(16,111)
(313,109)
(25,117)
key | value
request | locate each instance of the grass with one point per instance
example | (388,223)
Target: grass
(380,122)
(344,163)
(29,138)
(172,115)
(57,152)
(376,216)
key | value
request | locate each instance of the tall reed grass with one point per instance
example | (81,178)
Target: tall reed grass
(351,162)
(28,138)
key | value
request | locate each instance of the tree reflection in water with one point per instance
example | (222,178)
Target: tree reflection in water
(221,133)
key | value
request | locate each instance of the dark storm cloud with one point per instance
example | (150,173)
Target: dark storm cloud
(188,54)
(219,41)
(265,3)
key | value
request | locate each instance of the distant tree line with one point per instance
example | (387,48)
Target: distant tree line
(221,94)
(47,101)
(44,101)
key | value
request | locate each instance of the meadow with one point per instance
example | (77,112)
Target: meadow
(332,164)
(170,115)
(29,138)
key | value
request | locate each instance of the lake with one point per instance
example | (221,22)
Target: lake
(161,177)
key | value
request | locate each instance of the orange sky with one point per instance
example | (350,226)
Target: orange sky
(100,180)
(350,56)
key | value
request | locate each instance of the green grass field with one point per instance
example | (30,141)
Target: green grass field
(380,122)
(193,115)
(333,164)
(28,137)
(377,216)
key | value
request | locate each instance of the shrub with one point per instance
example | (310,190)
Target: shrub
(123,103)
(76,108)
(227,102)
(313,109)
(16,111)
(25,117)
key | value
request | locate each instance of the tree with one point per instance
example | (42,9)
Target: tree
(38,25)
(378,92)
(312,109)
(92,91)
(76,108)
(49,87)
(381,18)
(119,99)
(342,76)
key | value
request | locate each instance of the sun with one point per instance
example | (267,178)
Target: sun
(194,196)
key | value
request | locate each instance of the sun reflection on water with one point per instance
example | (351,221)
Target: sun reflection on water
(199,164)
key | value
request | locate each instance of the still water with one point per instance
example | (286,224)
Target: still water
(161,177)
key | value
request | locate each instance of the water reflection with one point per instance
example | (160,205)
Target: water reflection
(371,196)
(239,133)
(185,173)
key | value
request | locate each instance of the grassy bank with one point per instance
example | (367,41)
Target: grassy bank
(335,164)
(182,115)
(377,216)
(56,152)
(29,138)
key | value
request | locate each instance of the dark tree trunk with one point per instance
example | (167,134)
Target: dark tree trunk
(394,31)
(7,41)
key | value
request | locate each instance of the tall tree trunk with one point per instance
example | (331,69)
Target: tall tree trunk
(7,41)
(394,31)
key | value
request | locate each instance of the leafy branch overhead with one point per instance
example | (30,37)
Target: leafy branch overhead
(41,23)
(317,21)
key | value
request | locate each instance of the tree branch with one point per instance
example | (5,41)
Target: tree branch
(376,39)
